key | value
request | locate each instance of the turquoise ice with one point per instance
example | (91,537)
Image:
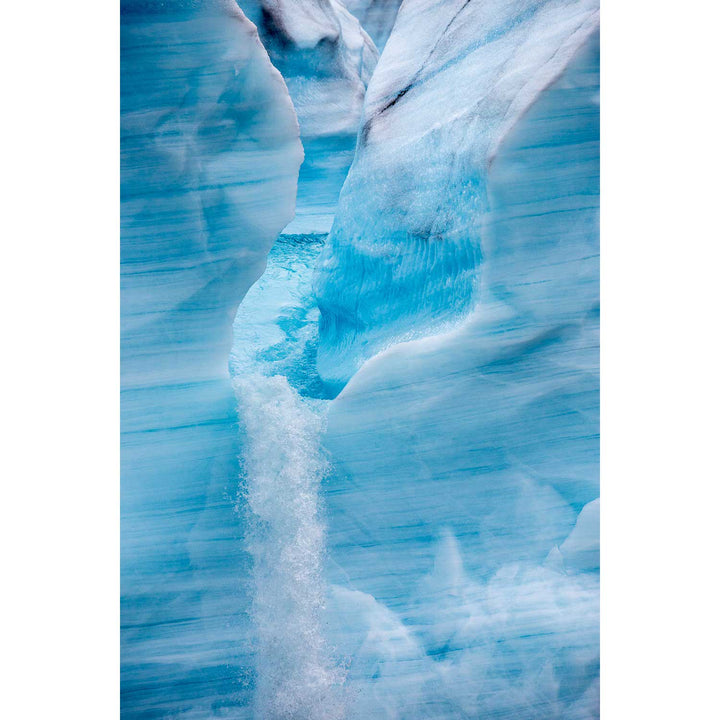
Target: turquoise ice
(372,491)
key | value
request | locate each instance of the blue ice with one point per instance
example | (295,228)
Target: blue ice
(360,360)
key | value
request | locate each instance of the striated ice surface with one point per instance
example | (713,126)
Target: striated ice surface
(459,299)
(209,157)
(409,237)
(382,501)
(326,59)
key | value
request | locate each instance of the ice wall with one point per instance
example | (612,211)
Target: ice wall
(326,59)
(406,246)
(459,301)
(210,153)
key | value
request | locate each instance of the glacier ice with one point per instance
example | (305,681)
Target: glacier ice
(451,84)
(210,153)
(414,531)
(581,549)
(459,299)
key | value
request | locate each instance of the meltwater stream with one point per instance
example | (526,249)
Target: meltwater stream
(281,407)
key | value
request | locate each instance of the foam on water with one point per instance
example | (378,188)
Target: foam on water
(283,467)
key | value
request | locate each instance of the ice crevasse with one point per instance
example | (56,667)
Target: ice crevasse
(326,58)
(440,459)
(217,100)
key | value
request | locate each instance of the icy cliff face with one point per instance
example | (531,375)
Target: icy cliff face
(453,80)
(210,156)
(459,296)
(326,59)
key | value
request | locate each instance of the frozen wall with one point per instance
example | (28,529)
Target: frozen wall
(210,157)
(406,246)
(459,300)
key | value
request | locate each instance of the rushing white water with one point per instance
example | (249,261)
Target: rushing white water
(284,466)
(297,677)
